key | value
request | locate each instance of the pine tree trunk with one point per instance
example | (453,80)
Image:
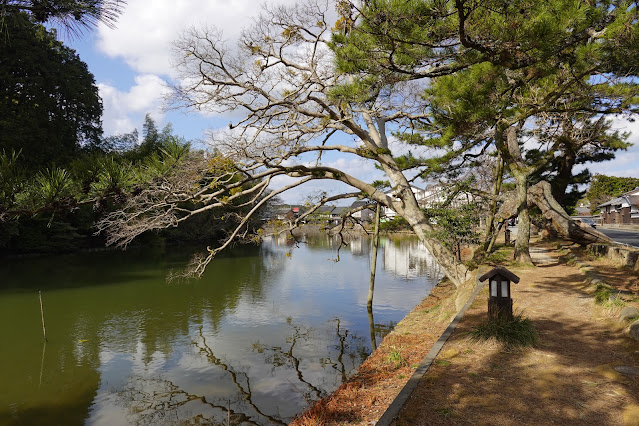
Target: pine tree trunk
(490,221)
(522,244)
(540,195)
(491,243)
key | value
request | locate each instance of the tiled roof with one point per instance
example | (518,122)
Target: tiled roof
(612,202)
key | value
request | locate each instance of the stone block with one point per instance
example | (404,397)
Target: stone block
(629,312)
(634,330)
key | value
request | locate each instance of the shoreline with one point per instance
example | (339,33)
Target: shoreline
(366,396)
(465,378)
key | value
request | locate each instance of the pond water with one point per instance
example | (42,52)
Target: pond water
(266,330)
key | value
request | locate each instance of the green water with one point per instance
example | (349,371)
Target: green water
(266,330)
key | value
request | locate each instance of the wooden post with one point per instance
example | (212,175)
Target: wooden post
(44,329)
(44,349)
(371,286)
(371,327)
(500,308)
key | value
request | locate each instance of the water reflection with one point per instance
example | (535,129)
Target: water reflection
(267,330)
(409,259)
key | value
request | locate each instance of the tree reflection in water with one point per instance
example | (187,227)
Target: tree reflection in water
(129,348)
(159,400)
(246,393)
(349,345)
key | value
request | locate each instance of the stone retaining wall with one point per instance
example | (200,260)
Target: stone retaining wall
(622,256)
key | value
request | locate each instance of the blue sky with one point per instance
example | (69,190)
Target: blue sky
(131,65)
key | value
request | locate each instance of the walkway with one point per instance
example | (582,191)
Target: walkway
(568,378)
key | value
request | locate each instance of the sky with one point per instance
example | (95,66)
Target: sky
(132,68)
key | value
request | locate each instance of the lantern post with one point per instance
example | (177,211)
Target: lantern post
(500,303)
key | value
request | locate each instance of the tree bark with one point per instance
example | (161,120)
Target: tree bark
(491,243)
(522,244)
(540,195)
(490,221)
(371,285)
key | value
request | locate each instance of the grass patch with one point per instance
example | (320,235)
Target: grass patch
(442,362)
(602,294)
(521,265)
(432,309)
(499,256)
(395,357)
(446,314)
(604,297)
(614,302)
(444,412)
(519,331)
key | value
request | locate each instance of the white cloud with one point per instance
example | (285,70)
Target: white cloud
(360,168)
(146,29)
(124,110)
(626,163)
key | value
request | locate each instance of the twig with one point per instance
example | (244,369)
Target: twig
(44,329)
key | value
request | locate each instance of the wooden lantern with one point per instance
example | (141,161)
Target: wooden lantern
(500,304)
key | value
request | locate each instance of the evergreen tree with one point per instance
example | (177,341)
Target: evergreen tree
(489,66)
(49,103)
(500,68)
(72,14)
(580,140)
(603,188)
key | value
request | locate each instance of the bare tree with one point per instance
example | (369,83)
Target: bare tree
(279,81)
(291,107)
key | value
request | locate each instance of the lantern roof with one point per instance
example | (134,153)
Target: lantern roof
(500,270)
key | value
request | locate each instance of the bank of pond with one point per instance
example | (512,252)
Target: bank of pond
(266,330)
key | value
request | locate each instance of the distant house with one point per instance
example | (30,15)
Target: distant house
(623,210)
(287,212)
(420,196)
(322,213)
(428,197)
(337,213)
(583,209)
(364,214)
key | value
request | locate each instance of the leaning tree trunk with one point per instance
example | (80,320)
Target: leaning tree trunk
(456,271)
(490,233)
(540,195)
(493,239)
(405,204)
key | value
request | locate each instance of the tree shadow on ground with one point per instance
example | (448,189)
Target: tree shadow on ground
(567,378)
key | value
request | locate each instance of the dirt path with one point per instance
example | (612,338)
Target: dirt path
(568,378)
